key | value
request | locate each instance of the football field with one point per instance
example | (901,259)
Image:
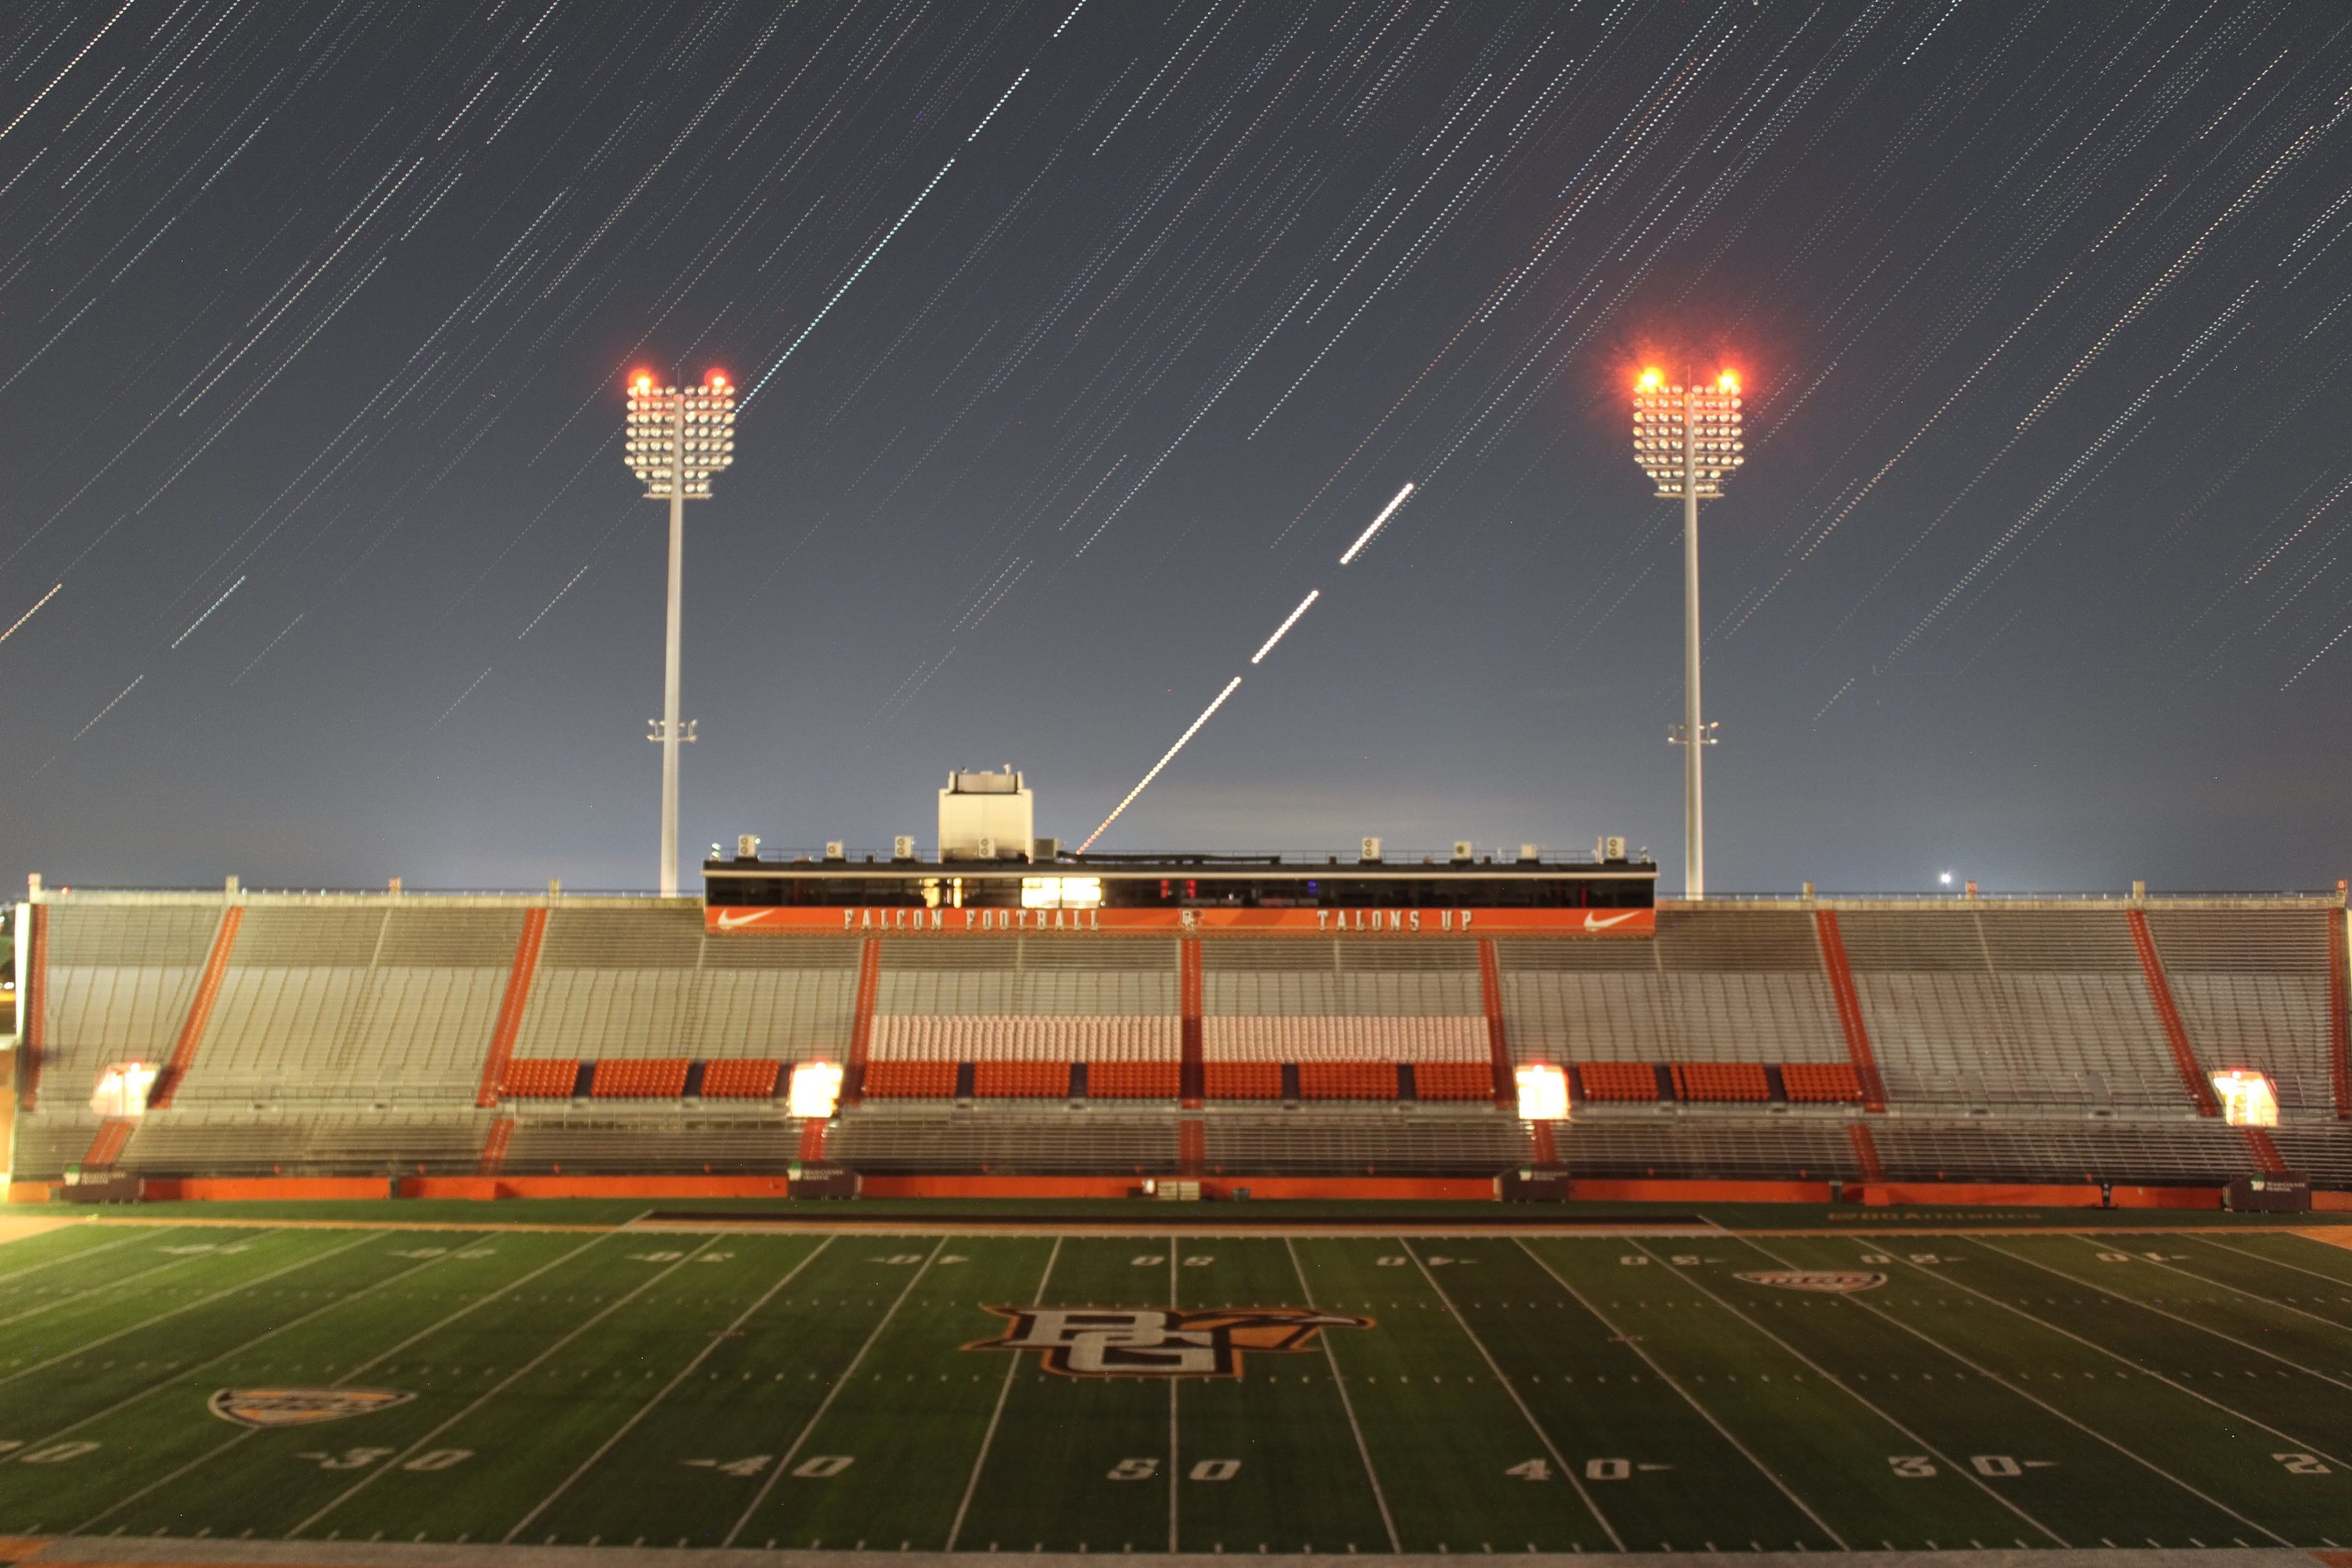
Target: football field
(1207,1392)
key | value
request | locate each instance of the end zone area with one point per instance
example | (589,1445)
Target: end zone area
(776,1378)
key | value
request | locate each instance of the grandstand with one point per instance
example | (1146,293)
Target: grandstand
(1842,1040)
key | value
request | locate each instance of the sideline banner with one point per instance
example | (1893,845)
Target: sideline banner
(900,921)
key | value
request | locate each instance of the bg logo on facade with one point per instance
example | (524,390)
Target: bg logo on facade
(1147,1341)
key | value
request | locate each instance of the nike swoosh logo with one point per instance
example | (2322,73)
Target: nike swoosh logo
(730,922)
(1591,921)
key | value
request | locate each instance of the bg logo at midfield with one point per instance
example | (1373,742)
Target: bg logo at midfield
(300,1406)
(1149,1341)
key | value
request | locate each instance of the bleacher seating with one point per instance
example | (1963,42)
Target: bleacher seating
(741,1079)
(363,1034)
(1454,1081)
(1822,1083)
(656,1078)
(1347,1080)
(1022,1080)
(1243,1080)
(910,1081)
(1721,1080)
(1618,1080)
(541,1077)
(1134,1080)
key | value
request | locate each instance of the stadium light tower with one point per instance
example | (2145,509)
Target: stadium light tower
(1686,439)
(678,437)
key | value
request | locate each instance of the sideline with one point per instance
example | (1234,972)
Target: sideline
(150,1553)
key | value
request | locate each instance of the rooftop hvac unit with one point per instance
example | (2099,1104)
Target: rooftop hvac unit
(1046,849)
(1531,852)
(1371,852)
(985,809)
(747,847)
(903,846)
(834,850)
(1463,851)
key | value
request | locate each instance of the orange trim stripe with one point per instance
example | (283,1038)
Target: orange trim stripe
(199,1011)
(1498,1042)
(1865,1150)
(1191,1089)
(861,1024)
(2339,1026)
(32,1009)
(1849,1010)
(510,1008)
(494,1147)
(113,1133)
(2176,1033)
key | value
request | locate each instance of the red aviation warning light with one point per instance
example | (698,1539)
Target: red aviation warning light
(1727,381)
(1651,380)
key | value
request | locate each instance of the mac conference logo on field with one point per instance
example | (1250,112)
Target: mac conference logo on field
(300,1406)
(1149,1342)
(1820,1281)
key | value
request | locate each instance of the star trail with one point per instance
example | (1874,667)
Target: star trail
(1079,346)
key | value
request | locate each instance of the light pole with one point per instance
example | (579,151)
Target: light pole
(1686,439)
(678,437)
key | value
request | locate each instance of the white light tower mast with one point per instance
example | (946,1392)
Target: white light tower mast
(678,437)
(1688,439)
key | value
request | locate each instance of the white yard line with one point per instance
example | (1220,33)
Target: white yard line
(1331,1359)
(233,1351)
(503,1383)
(1966,1472)
(84,1295)
(1175,1461)
(89,1346)
(1567,1471)
(2234,1290)
(987,1439)
(1987,1373)
(2172,1317)
(209,1455)
(70,1256)
(683,1374)
(2137,1365)
(831,1394)
(2340,1282)
(1634,1343)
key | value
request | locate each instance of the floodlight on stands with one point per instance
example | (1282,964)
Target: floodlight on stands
(1543,1092)
(1686,439)
(122,1089)
(2248,1098)
(814,1091)
(677,439)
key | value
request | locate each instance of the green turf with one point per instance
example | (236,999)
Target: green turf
(1511,1392)
(1351,1211)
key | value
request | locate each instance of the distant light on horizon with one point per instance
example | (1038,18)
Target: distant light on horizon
(1946,878)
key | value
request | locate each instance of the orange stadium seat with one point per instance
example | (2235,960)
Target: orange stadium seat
(660,1078)
(540,1077)
(1020,1080)
(1347,1080)
(1618,1080)
(1822,1083)
(1454,1081)
(910,1081)
(1721,1080)
(740,1079)
(1242,1080)
(1134,1080)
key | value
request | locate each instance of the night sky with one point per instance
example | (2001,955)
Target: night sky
(1080,345)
